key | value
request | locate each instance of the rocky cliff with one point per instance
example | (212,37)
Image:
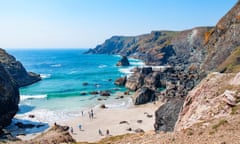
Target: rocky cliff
(159,47)
(9,97)
(17,71)
(222,40)
(191,54)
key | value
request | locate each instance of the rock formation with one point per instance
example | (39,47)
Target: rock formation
(123,62)
(17,71)
(143,95)
(9,97)
(222,40)
(191,54)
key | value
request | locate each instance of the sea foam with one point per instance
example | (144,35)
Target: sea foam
(26,97)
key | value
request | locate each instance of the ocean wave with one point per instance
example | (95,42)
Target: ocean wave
(137,63)
(45,76)
(102,66)
(56,65)
(27,97)
(126,70)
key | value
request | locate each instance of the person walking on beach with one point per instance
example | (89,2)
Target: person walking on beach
(80,127)
(107,132)
(71,130)
(100,132)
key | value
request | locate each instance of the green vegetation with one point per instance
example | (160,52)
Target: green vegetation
(221,122)
(108,139)
(235,109)
(232,63)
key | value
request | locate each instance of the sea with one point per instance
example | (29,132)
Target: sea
(68,76)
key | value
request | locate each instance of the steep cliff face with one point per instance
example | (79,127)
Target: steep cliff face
(9,97)
(16,70)
(222,40)
(159,47)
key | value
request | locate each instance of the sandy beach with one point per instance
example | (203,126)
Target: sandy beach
(110,119)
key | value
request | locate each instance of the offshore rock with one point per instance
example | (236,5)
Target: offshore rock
(9,97)
(123,62)
(17,71)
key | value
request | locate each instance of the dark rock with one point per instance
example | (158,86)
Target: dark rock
(139,121)
(123,122)
(129,129)
(126,93)
(85,84)
(123,62)
(24,126)
(31,116)
(166,116)
(146,70)
(99,99)
(139,130)
(17,71)
(9,97)
(135,82)
(143,95)
(149,116)
(105,93)
(121,81)
(103,106)
(94,93)
(83,93)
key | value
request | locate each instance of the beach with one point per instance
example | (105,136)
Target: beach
(117,120)
(133,117)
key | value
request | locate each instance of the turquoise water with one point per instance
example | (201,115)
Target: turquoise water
(63,73)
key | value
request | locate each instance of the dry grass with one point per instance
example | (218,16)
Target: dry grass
(231,64)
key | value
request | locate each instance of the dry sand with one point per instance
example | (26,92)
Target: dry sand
(110,119)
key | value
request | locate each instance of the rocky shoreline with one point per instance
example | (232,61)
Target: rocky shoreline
(13,75)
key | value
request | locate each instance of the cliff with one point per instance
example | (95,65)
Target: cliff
(222,40)
(17,71)
(158,47)
(9,97)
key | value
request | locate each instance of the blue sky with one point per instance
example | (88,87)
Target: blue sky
(86,23)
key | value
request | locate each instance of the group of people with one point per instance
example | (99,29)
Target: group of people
(101,134)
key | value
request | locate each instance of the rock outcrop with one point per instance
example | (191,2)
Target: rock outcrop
(144,95)
(17,71)
(121,81)
(222,40)
(123,62)
(213,98)
(9,97)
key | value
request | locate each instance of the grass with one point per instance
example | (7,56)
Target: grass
(231,64)
(108,140)
(235,110)
(220,123)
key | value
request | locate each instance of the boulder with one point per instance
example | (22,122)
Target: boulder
(135,82)
(123,62)
(143,95)
(105,93)
(121,81)
(9,97)
(166,116)
(138,130)
(153,80)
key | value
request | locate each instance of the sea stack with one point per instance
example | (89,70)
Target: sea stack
(123,62)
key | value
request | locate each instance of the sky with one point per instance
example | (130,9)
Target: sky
(87,23)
